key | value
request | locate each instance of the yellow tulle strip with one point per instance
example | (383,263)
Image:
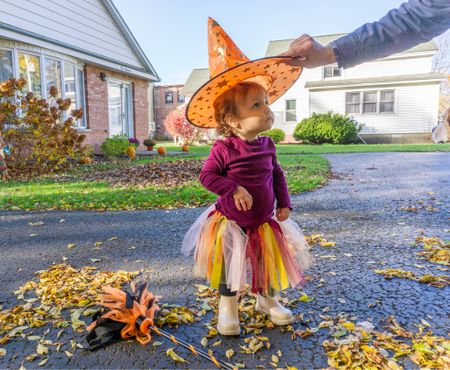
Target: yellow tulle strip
(218,258)
(273,263)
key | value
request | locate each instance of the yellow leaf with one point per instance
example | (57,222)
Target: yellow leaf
(349,325)
(43,362)
(2,352)
(71,245)
(204,342)
(229,353)
(170,352)
(68,354)
(275,359)
(218,343)
(41,349)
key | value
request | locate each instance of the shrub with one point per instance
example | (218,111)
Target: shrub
(115,146)
(276,134)
(328,128)
(39,131)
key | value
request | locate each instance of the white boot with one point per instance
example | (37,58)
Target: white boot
(228,322)
(278,314)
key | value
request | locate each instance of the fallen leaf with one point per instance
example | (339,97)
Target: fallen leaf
(43,362)
(95,260)
(229,353)
(204,342)
(71,245)
(170,352)
(41,349)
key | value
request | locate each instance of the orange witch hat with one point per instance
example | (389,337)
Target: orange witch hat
(228,66)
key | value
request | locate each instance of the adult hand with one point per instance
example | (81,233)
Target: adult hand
(283,214)
(242,199)
(309,53)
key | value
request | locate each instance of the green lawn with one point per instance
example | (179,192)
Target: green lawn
(330,148)
(303,173)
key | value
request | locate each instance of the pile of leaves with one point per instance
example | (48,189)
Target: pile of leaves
(315,239)
(434,250)
(428,204)
(158,174)
(359,346)
(40,132)
(437,281)
(60,287)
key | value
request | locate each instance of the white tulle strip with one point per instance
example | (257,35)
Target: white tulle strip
(192,237)
(297,242)
(234,244)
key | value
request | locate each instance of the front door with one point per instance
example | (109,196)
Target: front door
(120,108)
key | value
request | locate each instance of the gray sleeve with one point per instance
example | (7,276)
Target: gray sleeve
(414,22)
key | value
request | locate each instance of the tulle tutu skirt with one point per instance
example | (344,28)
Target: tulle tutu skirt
(270,257)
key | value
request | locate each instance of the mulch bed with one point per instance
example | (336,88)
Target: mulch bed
(159,174)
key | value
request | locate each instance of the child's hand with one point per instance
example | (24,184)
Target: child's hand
(242,199)
(283,214)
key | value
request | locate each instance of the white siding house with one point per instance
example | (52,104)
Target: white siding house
(396,98)
(86,50)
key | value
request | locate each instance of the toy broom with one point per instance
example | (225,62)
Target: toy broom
(126,315)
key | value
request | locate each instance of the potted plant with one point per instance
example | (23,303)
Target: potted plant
(134,141)
(149,143)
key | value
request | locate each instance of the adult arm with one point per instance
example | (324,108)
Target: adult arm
(414,22)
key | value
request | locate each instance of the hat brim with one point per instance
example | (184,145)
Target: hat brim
(275,74)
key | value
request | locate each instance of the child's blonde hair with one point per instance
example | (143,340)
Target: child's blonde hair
(227,103)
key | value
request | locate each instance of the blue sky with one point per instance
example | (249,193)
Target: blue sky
(173,33)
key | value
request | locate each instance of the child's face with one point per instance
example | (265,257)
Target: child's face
(255,116)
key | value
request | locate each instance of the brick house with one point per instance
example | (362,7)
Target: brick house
(166,98)
(87,51)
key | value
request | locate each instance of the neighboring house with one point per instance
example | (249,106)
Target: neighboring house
(86,50)
(166,99)
(397,98)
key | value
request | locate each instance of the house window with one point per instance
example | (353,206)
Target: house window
(291,111)
(169,97)
(30,69)
(370,102)
(332,71)
(180,98)
(387,101)
(6,66)
(52,75)
(42,72)
(352,103)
